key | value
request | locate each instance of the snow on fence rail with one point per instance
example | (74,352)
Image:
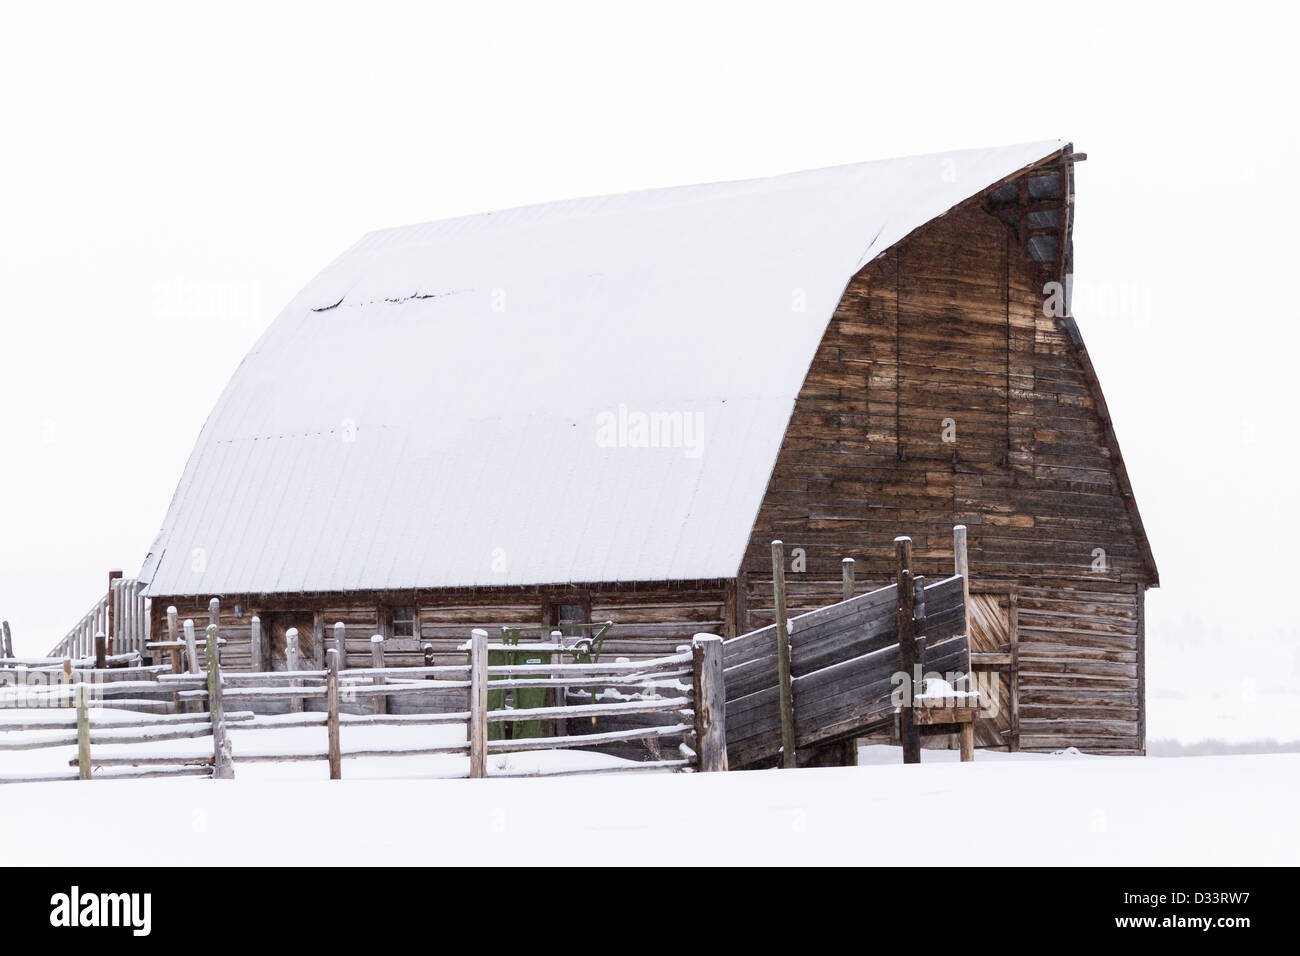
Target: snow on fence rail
(699,709)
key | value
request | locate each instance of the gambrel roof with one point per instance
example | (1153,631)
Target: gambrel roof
(477,401)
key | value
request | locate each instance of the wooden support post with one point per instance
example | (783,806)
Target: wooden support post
(192,652)
(83,734)
(783,657)
(214,614)
(910,738)
(918,622)
(318,640)
(848,756)
(173,637)
(961,565)
(255,645)
(340,631)
(101,651)
(478,698)
(710,703)
(377,662)
(191,649)
(115,601)
(222,765)
(559,696)
(6,640)
(332,710)
(291,665)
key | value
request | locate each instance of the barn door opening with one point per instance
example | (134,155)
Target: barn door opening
(277,630)
(992,626)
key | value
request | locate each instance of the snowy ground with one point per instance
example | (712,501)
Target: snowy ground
(1064,809)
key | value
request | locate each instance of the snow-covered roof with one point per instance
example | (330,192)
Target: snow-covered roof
(459,403)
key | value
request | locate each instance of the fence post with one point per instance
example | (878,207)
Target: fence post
(919,624)
(560,695)
(710,703)
(191,649)
(332,710)
(255,644)
(114,622)
(174,638)
(339,645)
(6,640)
(291,665)
(849,748)
(66,679)
(101,651)
(478,680)
(377,661)
(83,735)
(317,641)
(222,767)
(911,739)
(961,565)
(783,657)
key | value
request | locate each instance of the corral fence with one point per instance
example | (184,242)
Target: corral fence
(695,705)
(831,674)
(121,617)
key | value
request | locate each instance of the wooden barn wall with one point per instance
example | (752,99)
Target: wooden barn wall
(950,325)
(649,619)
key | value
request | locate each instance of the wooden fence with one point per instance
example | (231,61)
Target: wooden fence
(829,674)
(125,683)
(121,617)
(698,712)
(81,725)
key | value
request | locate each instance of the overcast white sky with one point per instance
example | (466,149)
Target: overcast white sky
(171,175)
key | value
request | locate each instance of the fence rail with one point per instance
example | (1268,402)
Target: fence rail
(695,712)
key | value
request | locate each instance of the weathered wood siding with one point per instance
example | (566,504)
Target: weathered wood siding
(948,331)
(650,620)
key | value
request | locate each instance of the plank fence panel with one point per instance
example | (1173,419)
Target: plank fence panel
(843,660)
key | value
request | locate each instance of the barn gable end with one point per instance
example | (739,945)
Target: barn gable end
(942,394)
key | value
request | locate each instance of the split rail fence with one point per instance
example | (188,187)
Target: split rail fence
(695,705)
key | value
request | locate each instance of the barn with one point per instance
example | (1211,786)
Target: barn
(606,409)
